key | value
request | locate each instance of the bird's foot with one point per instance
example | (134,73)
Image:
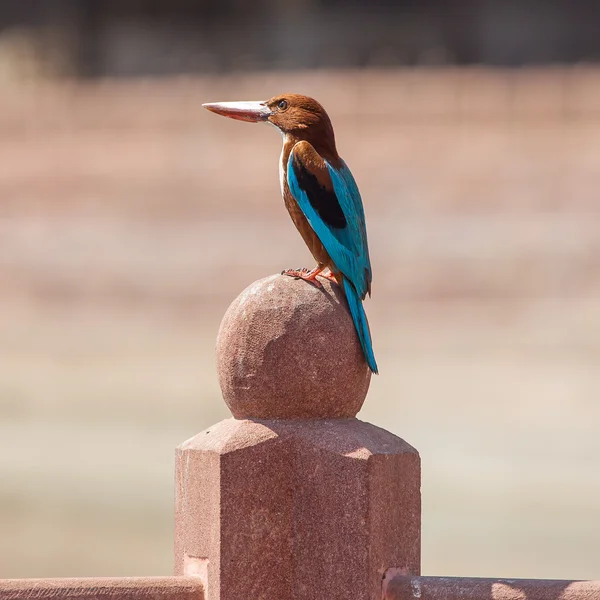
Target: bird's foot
(331,276)
(306,274)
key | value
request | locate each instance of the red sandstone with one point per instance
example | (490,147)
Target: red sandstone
(276,505)
(288,350)
(103,588)
(473,588)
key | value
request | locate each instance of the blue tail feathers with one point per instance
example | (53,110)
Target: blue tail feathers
(360,323)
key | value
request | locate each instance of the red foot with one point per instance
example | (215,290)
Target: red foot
(305,274)
(329,275)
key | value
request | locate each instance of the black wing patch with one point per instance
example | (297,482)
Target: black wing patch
(324,201)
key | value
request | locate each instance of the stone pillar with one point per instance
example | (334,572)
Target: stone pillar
(294,498)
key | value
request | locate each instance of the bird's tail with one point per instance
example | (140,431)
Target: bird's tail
(361,324)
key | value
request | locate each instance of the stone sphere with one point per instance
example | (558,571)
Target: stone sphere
(288,350)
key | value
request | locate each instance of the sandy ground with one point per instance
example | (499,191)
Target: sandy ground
(129,219)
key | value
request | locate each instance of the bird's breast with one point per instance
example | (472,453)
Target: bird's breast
(298,217)
(282,166)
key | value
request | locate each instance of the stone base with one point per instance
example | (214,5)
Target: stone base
(296,509)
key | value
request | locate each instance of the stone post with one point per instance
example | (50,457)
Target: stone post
(294,498)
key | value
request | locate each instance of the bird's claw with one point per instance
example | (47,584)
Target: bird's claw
(330,276)
(305,274)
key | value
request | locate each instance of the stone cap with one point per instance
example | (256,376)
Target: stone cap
(288,350)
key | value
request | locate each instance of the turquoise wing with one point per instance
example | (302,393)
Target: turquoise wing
(330,200)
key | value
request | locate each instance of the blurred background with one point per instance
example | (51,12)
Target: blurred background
(473,129)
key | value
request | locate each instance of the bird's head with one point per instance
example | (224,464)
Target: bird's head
(298,116)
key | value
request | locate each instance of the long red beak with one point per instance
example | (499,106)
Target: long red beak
(242,111)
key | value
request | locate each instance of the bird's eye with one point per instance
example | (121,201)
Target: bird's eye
(282,104)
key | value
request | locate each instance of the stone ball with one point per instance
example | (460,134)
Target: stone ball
(288,350)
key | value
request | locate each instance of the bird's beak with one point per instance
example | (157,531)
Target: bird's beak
(253,112)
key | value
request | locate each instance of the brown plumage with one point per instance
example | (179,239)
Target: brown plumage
(323,202)
(307,130)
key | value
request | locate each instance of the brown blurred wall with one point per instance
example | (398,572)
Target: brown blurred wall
(130,218)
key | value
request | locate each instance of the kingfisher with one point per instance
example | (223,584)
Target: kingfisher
(321,197)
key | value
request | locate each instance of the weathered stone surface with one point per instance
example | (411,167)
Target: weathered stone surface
(294,498)
(403,587)
(103,588)
(288,350)
(303,509)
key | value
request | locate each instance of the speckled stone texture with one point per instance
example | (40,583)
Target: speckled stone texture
(287,349)
(402,587)
(305,510)
(276,505)
(103,588)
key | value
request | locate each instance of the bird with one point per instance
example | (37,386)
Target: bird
(321,196)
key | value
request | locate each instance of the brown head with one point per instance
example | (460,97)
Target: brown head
(298,117)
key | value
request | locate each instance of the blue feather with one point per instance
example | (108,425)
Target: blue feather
(338,248)
(347,246)
(347,193)
(360,323)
